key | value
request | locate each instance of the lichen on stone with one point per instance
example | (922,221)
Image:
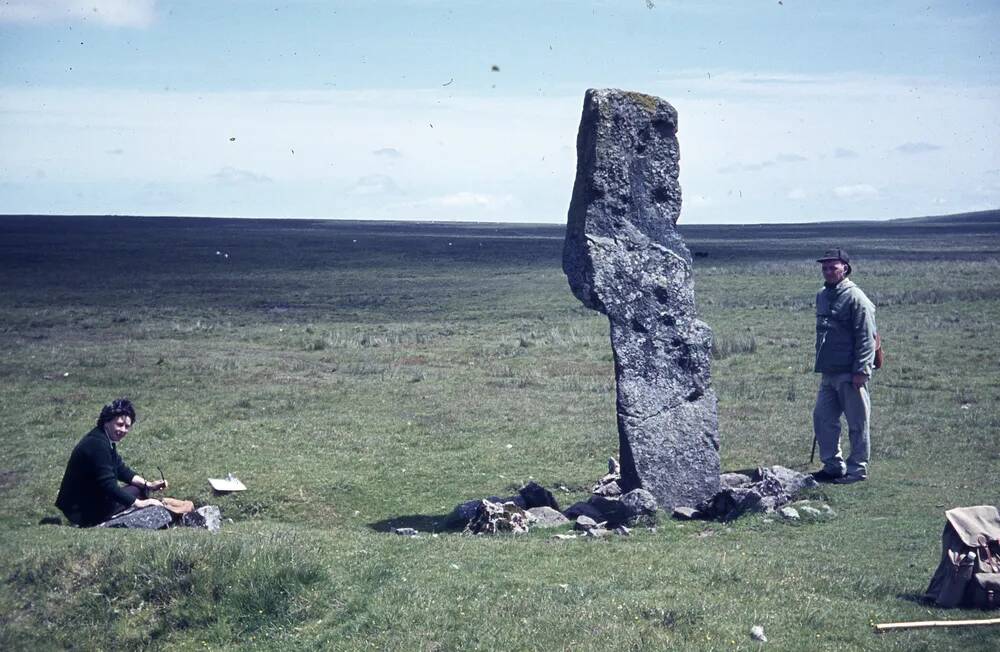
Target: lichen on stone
(647,102)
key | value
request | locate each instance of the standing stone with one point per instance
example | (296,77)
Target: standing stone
(624,257)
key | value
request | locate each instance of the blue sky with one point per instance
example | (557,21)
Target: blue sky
(792,111)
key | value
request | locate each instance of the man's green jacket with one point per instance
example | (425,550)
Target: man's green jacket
(845,330)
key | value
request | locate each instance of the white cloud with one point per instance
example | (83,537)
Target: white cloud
(842,152)
(231,176)
(916,148)
(388,152)
(856,191)
(762,165)
(465,199)
(113,13)
(375,184)
(745,167)
(797,193)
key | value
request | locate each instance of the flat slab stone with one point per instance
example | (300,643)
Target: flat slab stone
(547,517)
(686,513)
(624,257)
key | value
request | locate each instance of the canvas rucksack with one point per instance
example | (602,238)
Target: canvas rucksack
(969,572)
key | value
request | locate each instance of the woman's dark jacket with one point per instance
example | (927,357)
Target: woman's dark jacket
(90,492)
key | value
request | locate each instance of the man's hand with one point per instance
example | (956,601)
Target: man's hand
(148,502)
(859,380)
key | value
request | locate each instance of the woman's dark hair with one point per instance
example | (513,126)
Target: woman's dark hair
(116,408)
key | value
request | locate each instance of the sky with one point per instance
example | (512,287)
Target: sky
(789,111)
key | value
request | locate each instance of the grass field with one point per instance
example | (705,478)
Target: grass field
(359,376)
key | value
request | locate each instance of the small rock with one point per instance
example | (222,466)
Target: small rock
(535,495)
(405,531)
(810,511)
(583,508)
(612,510)
(584,523)
(547,517)
(686,513)
(622,530)
(640,506)
(462,514)
(608,489)
(208,517)
(828,511)
(466,511)
(789,513)
(493,518)
(732,480)
(792,482)
(768,504)
(563,537)
(596,533)
(757,634)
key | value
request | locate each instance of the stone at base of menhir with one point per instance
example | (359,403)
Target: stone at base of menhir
(584,508)
(535,495)
(641,507)
(674,454)
(208,517)
(547,517)
(147,518)
(494,518)
(686,513)
(733,480)
(466,511)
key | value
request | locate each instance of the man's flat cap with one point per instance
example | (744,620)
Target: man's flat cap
(835,254)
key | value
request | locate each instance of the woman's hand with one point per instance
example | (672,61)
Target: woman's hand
(157,485)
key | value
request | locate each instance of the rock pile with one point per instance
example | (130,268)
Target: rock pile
(767,491)
(606,510)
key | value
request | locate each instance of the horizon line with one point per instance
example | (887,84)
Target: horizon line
(492,223)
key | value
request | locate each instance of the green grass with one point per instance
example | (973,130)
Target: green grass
(358,386)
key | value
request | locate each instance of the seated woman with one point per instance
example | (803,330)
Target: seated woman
(90,493)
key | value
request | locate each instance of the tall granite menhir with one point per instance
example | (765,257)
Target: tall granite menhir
(624,257)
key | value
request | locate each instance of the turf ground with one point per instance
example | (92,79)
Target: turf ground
(360,376)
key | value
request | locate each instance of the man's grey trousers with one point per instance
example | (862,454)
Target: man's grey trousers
(837,396)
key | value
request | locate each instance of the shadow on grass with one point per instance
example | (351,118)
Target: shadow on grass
(916,598)
(419,522)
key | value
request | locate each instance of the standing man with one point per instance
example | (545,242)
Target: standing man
(845,355)
(90,493)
